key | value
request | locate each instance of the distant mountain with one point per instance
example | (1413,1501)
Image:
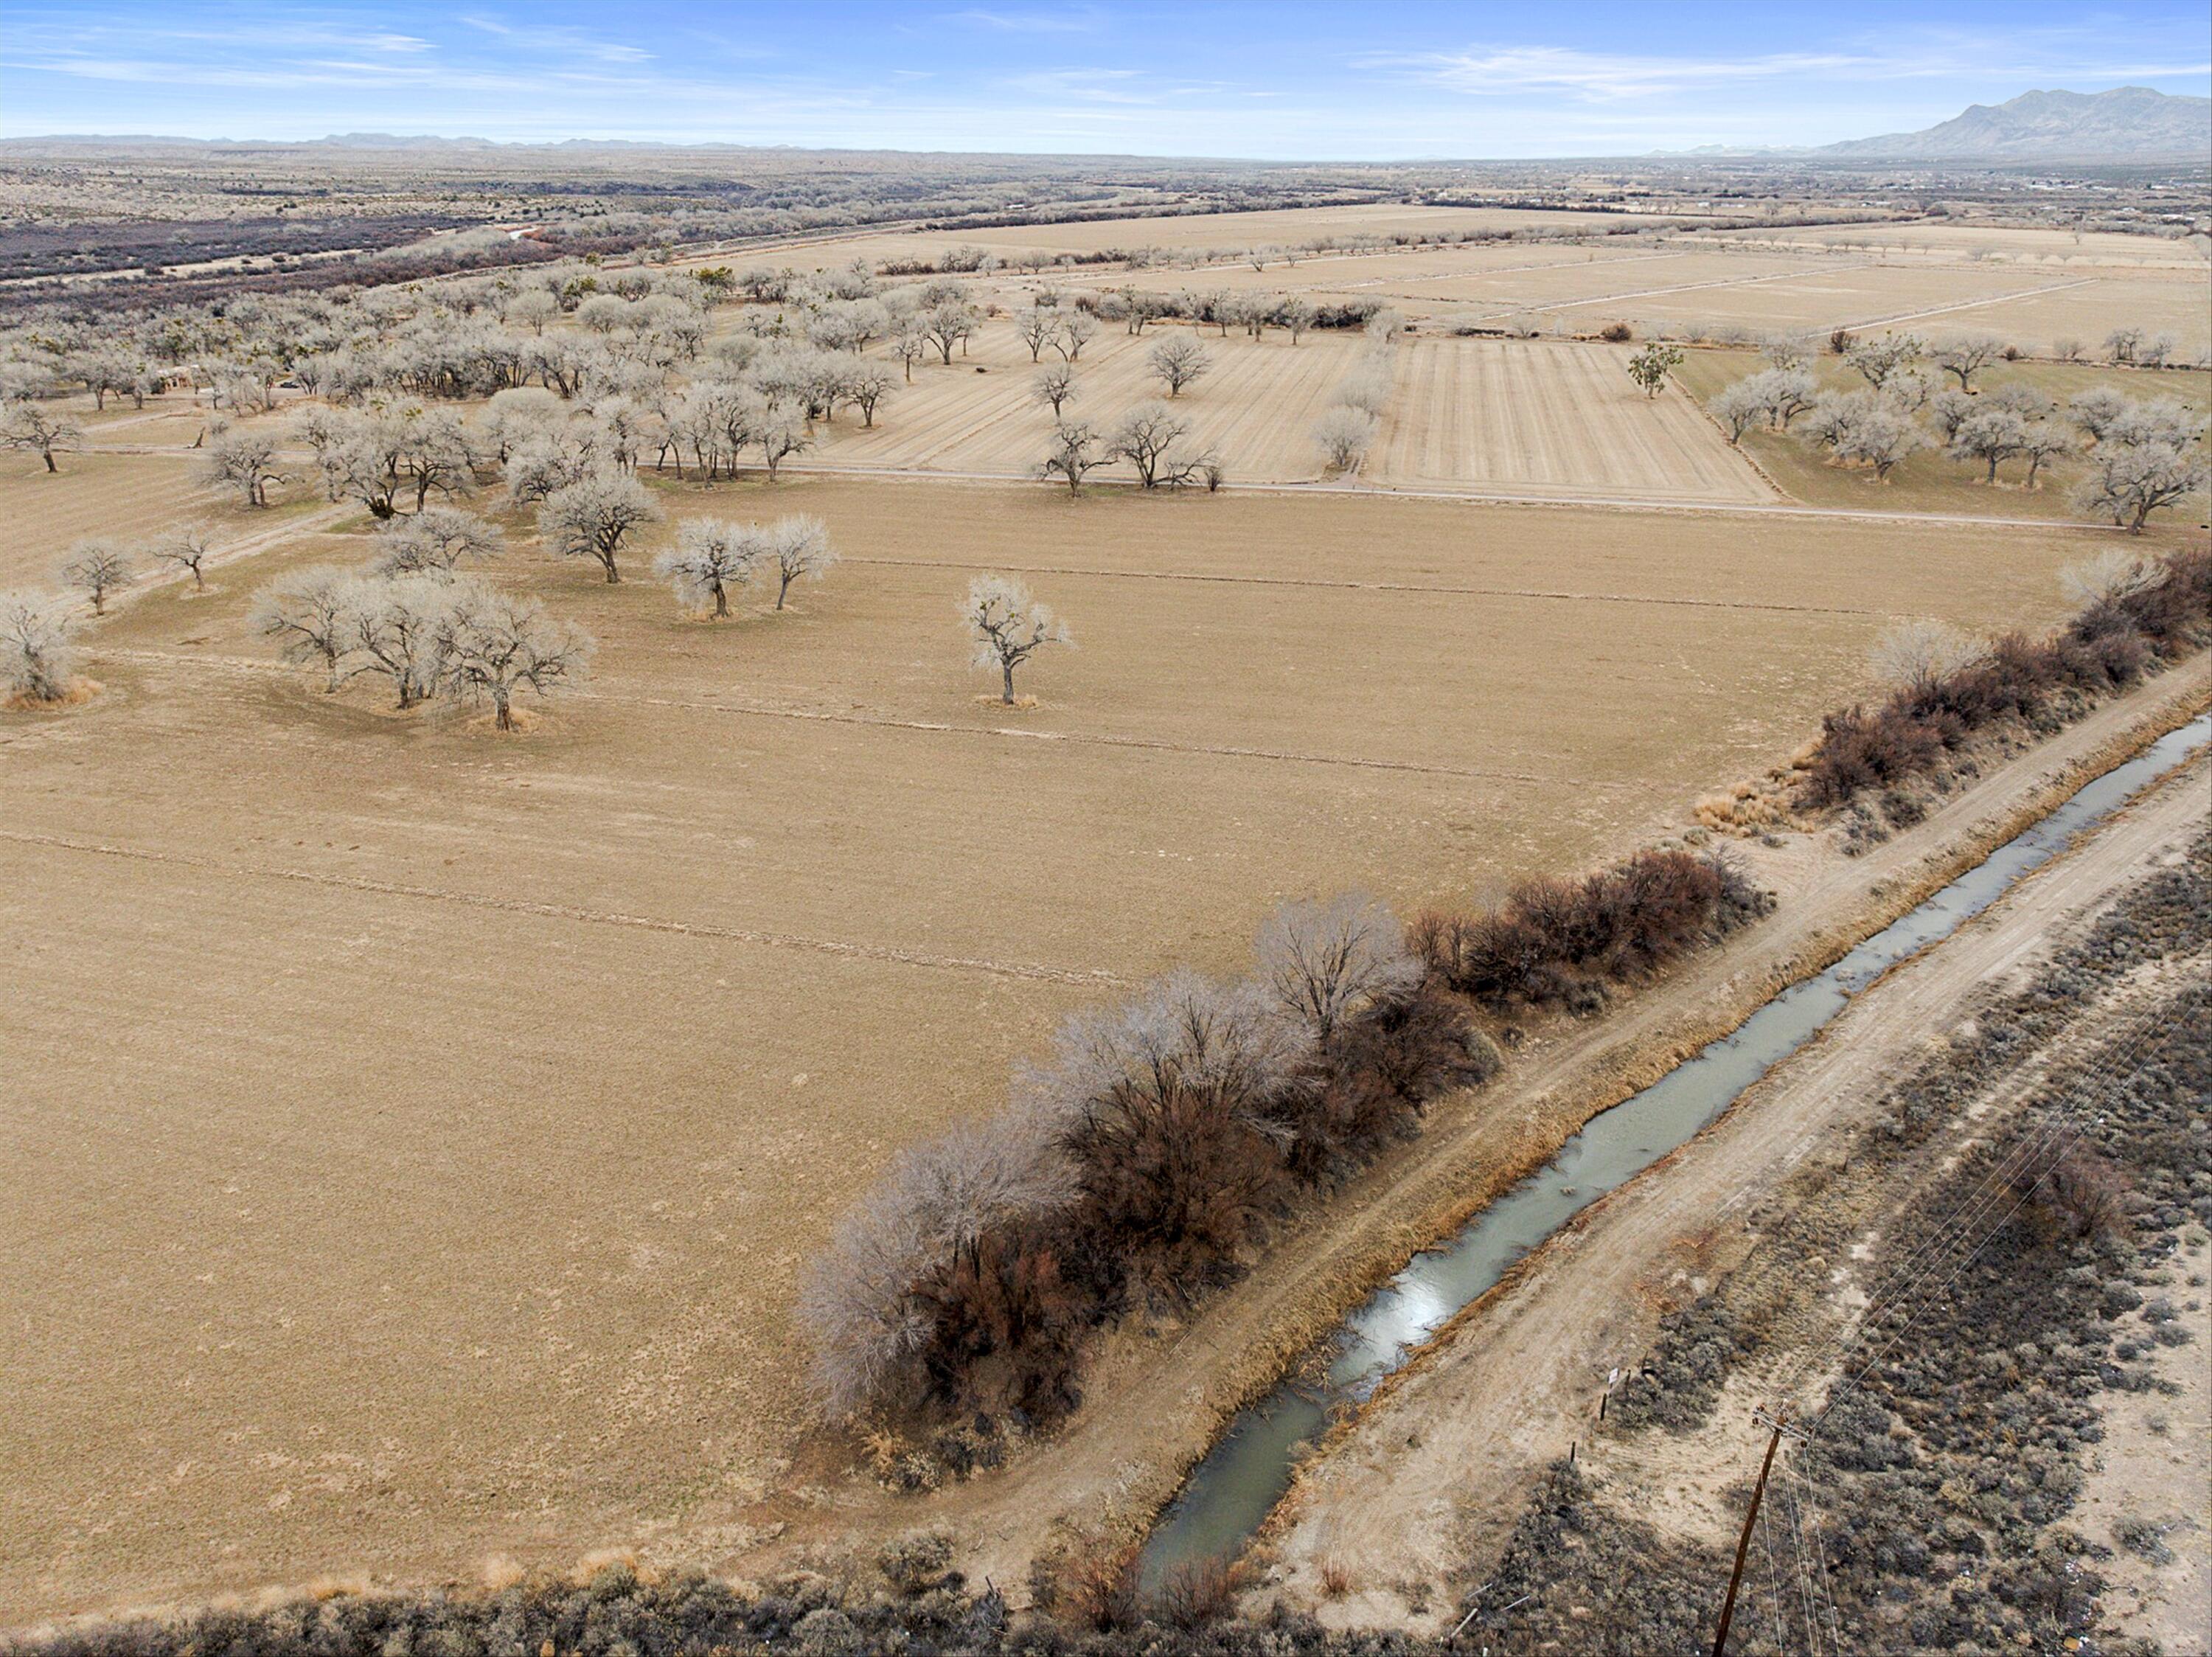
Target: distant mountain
(2130,123)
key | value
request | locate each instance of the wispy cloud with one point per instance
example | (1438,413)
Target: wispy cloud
(1027,22)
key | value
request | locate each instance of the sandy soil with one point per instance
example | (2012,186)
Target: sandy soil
(1439,1462)
(2155,1464)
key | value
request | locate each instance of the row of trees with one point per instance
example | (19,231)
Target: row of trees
(2140,456)
(1348,427)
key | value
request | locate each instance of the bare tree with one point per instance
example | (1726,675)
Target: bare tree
(2121,343)
(1296,315)
(434,541)
(781,436)
(495,643)
(189,548)
(593,516)
(1074,453)
(98,568)
(1880,361)
(1009,626)
(1177,361)
(1151,438)
(1994,435)
(2128,482)
(1962,359)
(710,557)
(1915,654)
(2045,441)
(864,386)
(26,426)
(1345,435)
(37,658)
(244,461)
(398,628)
(309,612)
(2094,411)
(1036,327)
(911,345)
(946,323)
(1054,386)
(2111,576)
(796,548)
(1322,963)
(1076,331)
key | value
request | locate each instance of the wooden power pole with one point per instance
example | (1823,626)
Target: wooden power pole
(1743,1542)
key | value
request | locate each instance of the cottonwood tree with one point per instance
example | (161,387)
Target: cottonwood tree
(2044,441)
(1324,963)
(27,427)
(1151,438)
(864,386)
(781,436)
(1739,406)
(1962,359)
(1880,361)
(494,644)
(796,549)
(399,626)
(1178,361)
(593,516)
(2111,576)
(911,345)
(1650,367)
(1054,386)
(1917,654)
(98,568)
(946,323)
(710,557)
(1076,331)
(1345,435)
(1009,626)
(1036,327)
(1881,439)
(188,547)
(434,541)
(2121,343)
(309,613)
(2128,482)
(1296,316)
(244,461)
(1994,435)
(2094,411)
(1075,453)
(36,657)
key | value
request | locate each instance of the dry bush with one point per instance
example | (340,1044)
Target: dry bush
(2080,1193)
(1335,1579)
(1099,1590)
(1200,1593)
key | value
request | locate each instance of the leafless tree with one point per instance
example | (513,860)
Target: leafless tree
(1880,361)
(2128,482)
(1036,327)
(37,658)
(1075,453)
(593,516)
(309,613)
(2045,441)
(1322,963)
(188,547)
(1152,438)
(1009,626)
(779,436)
(98,568)
(2121,343)
(434,541)
(399,626)
(1915,654)
(2094,411)
(947,324)
(1345,435)
(2111,575)
(1054,386)
(1076,331)
(494,644)
(864,386)
(710,557)
(1296,315)
(1177,361)
(796,549)
(911,345)
(1962,359)
(1993,436)
(26,426)
(244,461)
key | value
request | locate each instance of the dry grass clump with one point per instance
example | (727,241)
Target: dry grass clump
(2137,614)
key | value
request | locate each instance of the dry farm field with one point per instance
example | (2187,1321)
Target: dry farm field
(460,1110)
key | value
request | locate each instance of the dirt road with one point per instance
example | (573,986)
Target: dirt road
(1442,1458)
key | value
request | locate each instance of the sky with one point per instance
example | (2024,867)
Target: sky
(1292,81)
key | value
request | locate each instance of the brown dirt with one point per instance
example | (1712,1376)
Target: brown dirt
(1434,1469)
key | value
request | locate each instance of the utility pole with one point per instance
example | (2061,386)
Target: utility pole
(1743,1542)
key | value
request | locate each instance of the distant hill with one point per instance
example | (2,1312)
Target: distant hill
(2127,123)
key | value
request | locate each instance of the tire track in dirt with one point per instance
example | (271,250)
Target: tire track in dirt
(1029,971)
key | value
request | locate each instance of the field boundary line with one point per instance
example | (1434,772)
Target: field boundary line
(1975,304)
(1029,971)
(1560,594)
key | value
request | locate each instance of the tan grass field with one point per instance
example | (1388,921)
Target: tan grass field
(1549,418)
(459,1110)
(128,496)
(2016,243)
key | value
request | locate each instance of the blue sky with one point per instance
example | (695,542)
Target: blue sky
(1289,81)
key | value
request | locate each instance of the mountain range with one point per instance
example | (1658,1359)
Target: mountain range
(2134,122)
